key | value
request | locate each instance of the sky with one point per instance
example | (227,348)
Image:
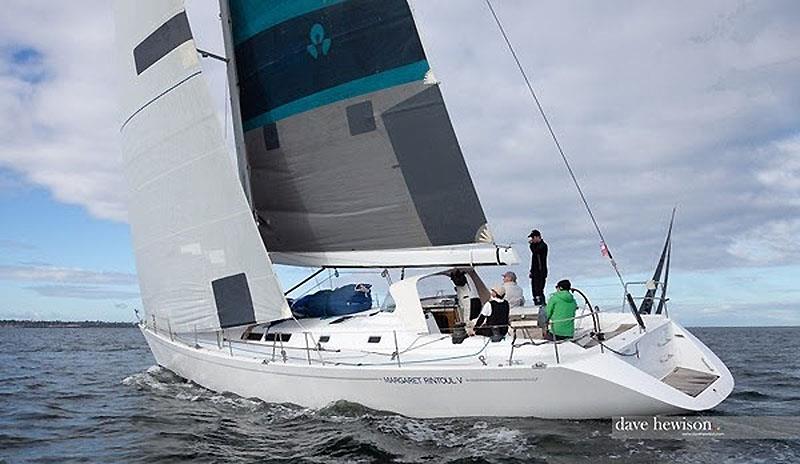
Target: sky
(657,105)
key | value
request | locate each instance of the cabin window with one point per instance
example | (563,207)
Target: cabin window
(374,339)
(255,336)
(324,338)
(278,337)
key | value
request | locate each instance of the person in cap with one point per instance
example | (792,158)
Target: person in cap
(514,294)
(493,319)
(466,297)
(561,312)
(538,273)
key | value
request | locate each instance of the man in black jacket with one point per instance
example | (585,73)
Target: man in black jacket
(538,272)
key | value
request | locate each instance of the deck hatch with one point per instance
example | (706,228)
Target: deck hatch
(689,381)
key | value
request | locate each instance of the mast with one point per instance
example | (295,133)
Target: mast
(233,86)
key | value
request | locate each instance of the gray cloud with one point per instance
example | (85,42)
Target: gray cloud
(84,292)
(656,104)
(38,273)
(654,107)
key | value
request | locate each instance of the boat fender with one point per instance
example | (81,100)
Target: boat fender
(541,318)
(497,335)
(459,333)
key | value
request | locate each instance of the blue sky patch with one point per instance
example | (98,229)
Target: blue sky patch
(26,63)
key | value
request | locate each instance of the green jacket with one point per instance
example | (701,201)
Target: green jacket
(562,305)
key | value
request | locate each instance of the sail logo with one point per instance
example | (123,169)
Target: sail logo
(319,43)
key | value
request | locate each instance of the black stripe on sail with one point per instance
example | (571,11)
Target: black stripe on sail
(163,40)
(323,49)
(647,304)
(662,302)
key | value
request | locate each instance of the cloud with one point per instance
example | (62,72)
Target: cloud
(654,107)
(739,315)
(84,292)
(57,99)
(774,241)
(39,273)
(10,244)
(64,282)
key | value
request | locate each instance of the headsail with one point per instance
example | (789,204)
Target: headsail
(200,261)
(349,149)
(647,303)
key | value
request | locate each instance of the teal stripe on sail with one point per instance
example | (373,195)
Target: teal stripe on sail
(397,76)
(250,17)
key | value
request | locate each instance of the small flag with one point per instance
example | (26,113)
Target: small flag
(604,249)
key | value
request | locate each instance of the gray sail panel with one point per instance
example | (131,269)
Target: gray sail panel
(434,169)
(322,189)
(349,149)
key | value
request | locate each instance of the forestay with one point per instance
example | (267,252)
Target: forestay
(349,147)
(199,257)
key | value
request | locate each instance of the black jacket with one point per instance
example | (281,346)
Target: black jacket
(498,319)
(539,259)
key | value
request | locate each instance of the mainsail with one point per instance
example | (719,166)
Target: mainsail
(200,260)
(351,158)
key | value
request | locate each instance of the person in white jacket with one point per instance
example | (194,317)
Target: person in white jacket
(514,294)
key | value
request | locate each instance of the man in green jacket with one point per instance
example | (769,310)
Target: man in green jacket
(561,307)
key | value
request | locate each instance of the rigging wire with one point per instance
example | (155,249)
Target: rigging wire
(227,102)
(555,139)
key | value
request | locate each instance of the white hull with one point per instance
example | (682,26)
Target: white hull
(583,383)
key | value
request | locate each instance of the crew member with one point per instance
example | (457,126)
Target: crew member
(561,312)
(493,319)
(464,294)
(538,273)
(514,294)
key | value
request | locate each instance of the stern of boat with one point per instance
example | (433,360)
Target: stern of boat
(664,362)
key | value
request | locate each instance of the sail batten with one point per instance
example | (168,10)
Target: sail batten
(349,147)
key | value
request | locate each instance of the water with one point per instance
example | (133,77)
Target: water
(93,395)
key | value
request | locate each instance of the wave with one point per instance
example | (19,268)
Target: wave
(165,383)
(750,395)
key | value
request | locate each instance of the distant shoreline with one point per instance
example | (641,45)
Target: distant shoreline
(64,324)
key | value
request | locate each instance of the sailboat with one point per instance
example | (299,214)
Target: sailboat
(346,158)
